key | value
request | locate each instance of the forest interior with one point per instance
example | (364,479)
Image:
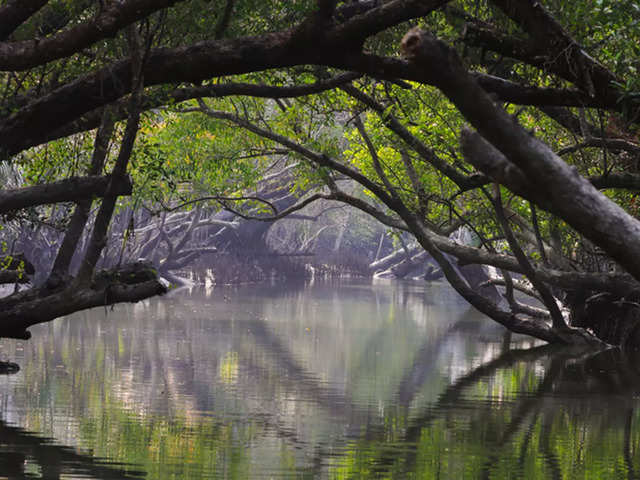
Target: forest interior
(493,141)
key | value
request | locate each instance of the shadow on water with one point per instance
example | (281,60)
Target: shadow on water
(349,382)
(27,455)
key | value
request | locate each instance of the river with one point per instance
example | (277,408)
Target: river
(334,380)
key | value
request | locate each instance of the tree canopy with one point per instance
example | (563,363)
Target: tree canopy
(516,120)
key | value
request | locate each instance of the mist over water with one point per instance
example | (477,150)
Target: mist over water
(343,379)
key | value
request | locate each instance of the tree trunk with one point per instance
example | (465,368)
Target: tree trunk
(614,319)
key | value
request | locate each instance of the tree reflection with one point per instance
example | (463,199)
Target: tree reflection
(9,368)
(550,420)
(197,387)
(27,455)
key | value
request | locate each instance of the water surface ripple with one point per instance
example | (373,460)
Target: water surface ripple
(334,380)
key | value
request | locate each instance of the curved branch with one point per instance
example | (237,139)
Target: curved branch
(158,98)
(303,44)
(219,199)
(385,15)
(550,302)
(19,56)
(284,213)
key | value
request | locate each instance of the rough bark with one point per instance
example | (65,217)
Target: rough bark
(561,53)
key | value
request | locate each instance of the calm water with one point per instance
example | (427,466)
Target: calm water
(338,380)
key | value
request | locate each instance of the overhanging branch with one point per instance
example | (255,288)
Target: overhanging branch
(69,190)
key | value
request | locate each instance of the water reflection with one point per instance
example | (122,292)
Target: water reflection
(25,455)
(346,380)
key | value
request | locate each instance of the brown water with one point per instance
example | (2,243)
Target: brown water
(329,380)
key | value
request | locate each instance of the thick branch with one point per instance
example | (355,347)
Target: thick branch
(386,15)
(70,190)
(18,56)
(557,186)
(15,12)
(520,94)
(565,117)
(628,181)
(562,54)
(47,306)
(303,44)
(158,97)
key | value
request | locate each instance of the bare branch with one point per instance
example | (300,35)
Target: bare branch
(550,302)
(613,144)
(374,158)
